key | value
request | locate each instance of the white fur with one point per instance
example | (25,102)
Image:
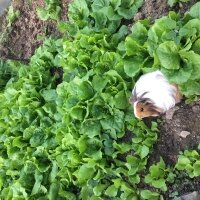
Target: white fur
(158,89)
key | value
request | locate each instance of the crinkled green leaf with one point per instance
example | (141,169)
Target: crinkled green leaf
(99,189)
(193,60)
(182,162)
(78,112)
(133,47)
(168,55)
(144,151)
(120,100)
(53,191)
(91,128)
(195,10)
(196,168)
(160,184)
(99,83)
(84,173)
(111,191)
(38,181)
(132,66)
(147,194)
(49,95)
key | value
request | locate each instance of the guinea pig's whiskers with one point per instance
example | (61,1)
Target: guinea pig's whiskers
(142,95)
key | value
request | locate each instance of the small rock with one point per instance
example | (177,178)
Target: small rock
(184,134)
(191,196)
(196,108)
(169,114)
(180,5)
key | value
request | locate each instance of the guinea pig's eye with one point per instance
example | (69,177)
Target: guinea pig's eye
(141,109)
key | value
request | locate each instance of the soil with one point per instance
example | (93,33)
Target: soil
(22,39)
(186,118)
(154,9)
(171,141)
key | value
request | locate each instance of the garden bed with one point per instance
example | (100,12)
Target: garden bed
(22,40)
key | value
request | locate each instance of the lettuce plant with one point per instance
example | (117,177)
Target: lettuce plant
(189,161)
(159,175)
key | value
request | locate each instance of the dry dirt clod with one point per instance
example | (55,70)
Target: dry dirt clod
(190,196)
(196,108)
(170,113)
(184,134)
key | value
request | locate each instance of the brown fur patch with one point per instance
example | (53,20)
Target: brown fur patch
(144,108)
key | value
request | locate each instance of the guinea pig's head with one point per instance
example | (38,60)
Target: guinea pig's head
(144,109)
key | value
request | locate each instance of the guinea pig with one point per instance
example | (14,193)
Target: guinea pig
(153,95)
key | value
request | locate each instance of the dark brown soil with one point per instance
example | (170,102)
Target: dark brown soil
(185,118)
(171,142)
(22,40)
(154,9)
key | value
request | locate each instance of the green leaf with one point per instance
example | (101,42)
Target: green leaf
(168,55)
(38,180)
(85,192)
(53,191)
(191,88)
(37,137)
(135,179)
(54,172)
(193,61)
(84,173)
(190,30)
(195,10)
(42,14)
(78,112)
(160,184)
(133,47)
(196,46)
(100,20)
(99,189)
(49,95)
(144,151)
(127,13)
(91,128)
(147,194)
(99,4)
(111,14)
(172,2)
(68,141)
(111,191)
(197,168)
(132,66)
(120,100)
(99,83)
(140,32)
(182,162)
(179,76)
(85,90)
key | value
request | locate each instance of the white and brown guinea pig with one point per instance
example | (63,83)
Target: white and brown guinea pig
(153,95)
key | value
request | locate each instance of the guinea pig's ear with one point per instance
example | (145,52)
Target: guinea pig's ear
(133,97)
